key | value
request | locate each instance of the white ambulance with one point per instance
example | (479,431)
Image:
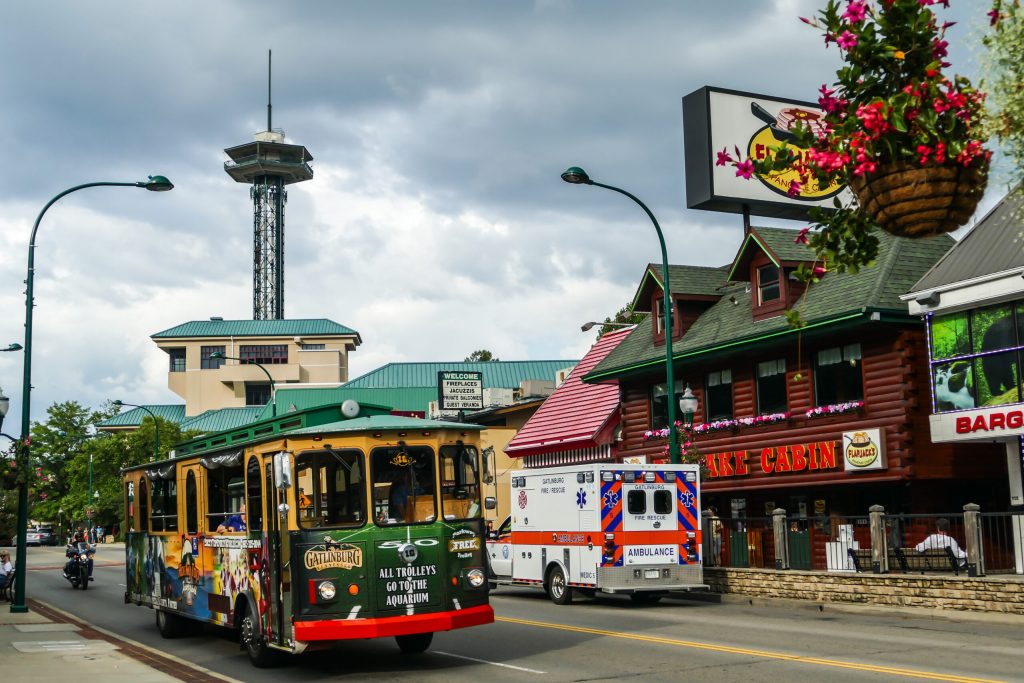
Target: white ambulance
(606,527)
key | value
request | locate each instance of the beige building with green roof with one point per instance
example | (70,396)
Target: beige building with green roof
(310,351)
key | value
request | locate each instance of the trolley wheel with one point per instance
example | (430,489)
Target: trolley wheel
(558,590)
(645,598)
(414,643)
(170,625)
(260,654)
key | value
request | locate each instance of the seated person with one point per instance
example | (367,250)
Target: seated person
(235,522)
(6,570)
(942,539)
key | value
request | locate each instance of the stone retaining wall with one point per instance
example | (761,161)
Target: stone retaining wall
(986,594)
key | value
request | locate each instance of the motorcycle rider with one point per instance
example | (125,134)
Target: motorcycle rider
(73,550)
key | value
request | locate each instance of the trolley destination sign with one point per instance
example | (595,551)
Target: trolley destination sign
(460,390)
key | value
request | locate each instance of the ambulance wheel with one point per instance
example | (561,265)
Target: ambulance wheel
(645,598)
(414,643)
(558,589)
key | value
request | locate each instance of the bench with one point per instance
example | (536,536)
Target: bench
(930,560)
(7,592)
(910,560)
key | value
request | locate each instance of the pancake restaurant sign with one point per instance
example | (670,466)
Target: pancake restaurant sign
(748,125)
(786,459)
(862,450)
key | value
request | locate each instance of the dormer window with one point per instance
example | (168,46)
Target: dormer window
(659,317)
(768,284)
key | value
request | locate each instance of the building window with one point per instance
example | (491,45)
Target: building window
(207,363)
(659,316)
(270,354)
(837,375)
(768,284)
(659,403)
(257,394)
(313,347)
(177,359)
(718,395)
(771,387)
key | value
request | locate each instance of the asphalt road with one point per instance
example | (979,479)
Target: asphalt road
(593,640)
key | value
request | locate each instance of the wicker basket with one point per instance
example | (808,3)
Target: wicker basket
(916,201)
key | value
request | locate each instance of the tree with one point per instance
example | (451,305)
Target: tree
(481,356)
(1003,66)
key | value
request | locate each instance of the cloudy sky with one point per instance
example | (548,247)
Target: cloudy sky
(436,222)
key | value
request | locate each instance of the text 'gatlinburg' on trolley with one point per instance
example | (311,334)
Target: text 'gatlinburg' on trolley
(331,523)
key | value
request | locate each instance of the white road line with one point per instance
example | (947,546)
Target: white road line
(484,661)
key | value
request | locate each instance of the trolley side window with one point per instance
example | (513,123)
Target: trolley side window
(460,482)
(143,504)
(254,494)
(165,505)
(636,502)
(330,489)
(403,485)
(225,488)
(129,497)
(191,504)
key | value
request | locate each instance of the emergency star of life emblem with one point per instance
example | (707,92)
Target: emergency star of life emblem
(581,498)
(522,500)
(611,499)
(686,498)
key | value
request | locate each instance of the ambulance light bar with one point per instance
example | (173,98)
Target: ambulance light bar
(670,477)
(649,477)
(607,476)
(590,477)
(629,476)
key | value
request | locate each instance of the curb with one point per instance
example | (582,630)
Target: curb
(183,671)
(849,608)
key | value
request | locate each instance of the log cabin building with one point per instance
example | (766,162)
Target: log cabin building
(827,419)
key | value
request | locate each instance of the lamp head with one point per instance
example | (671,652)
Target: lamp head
(688,403)
(576,176)
(217,354)
(586,327)
(118,403)
(157,183)
(13,347)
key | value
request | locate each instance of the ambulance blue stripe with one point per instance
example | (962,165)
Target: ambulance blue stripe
(615,523)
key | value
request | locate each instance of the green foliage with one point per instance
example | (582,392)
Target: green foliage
(1003,69)
(480,356)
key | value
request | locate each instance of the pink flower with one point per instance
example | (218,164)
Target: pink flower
(818,271)
(795,188)
(723,158)
(993,17)
(846,41)
(856,11)
(801,237)
(939,49)
(745,169)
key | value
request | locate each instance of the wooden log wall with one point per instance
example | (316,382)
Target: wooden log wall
(897,399)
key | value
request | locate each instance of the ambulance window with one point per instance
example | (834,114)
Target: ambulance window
(636,502)
(662,502)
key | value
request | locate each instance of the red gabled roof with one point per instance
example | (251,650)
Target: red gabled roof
(576,414)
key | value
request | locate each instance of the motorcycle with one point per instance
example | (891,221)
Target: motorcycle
(76,570)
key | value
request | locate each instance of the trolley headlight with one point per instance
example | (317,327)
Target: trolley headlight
(326,590)
(475,577)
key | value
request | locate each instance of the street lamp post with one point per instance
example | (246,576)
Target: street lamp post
(273,401)
(577,176)
(586,327)
(156,432)
(156,183)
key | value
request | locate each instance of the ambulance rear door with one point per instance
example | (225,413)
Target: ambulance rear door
(649,518)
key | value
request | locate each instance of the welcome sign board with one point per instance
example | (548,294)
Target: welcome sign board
(460,390)
(715,119)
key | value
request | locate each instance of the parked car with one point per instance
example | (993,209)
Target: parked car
(41,535)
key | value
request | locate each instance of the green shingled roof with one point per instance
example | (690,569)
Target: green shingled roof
(257,328)
(384,422)
(838,297)
(694,280)
(500,374)
(219,420)
(135,416)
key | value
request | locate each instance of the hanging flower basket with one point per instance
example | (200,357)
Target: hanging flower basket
(909,200)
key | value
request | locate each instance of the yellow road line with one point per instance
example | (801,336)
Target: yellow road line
(895,671)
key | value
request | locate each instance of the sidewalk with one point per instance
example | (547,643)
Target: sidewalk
(47,644)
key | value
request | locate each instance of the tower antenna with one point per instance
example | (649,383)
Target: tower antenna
(269,107)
